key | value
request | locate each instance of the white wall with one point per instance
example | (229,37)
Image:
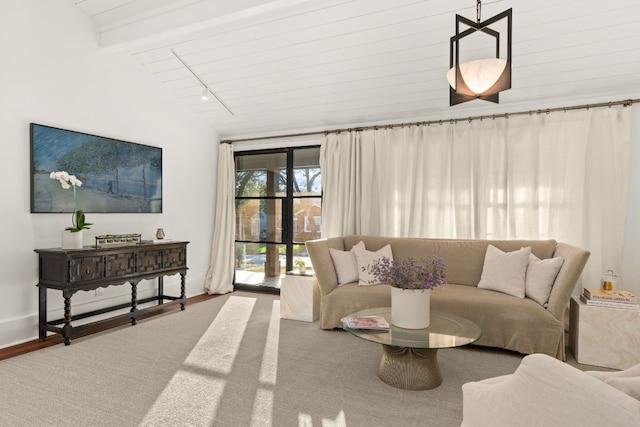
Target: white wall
(53,73)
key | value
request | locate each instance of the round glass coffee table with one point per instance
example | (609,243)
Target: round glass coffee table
(409,357)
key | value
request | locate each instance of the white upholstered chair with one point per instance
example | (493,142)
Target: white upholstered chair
(544,391)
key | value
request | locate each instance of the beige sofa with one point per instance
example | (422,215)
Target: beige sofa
(546,392)
(518,324)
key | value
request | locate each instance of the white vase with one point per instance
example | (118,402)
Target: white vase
(410,308)
(72,240)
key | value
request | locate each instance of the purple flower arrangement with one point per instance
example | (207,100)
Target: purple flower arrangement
(409,273)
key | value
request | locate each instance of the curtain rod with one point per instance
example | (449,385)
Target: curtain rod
(624,103)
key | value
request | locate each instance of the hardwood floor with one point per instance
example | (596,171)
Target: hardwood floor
(102,325)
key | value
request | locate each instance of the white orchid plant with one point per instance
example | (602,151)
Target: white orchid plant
(67,181)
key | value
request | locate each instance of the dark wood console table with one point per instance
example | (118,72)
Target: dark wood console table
(89,268)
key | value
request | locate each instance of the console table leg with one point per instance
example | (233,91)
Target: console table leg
(160,290)
(182,291)
(42,313)
(67,329)
(134,302)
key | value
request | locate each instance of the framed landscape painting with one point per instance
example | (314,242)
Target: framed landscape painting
(117,176)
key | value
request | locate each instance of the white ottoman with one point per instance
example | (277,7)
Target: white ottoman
(299,298)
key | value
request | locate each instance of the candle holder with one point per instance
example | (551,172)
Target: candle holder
(608,281)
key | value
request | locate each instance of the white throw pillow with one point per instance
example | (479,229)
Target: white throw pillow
(345,264)
(365,258)
(627,385)
(541,274)
(505,271)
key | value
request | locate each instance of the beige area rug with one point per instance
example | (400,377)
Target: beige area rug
(229,361)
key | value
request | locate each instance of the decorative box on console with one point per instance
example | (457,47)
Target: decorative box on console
(117,239)
(299,298)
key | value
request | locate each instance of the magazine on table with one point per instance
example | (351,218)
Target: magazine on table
(366,322)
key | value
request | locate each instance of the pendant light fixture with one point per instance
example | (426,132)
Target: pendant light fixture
(480,78)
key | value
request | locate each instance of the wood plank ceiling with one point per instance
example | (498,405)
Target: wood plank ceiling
(282,66)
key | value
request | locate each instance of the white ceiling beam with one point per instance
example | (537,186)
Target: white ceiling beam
(169,22)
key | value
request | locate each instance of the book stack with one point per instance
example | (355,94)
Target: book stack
(611,299)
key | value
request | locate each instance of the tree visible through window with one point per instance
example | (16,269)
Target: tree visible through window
(278,208)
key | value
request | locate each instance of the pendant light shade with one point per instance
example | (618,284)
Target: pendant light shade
(481,78)
(479,75)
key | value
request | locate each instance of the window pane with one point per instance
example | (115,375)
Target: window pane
(261,175)
(262,202)
(307,219)
(259,220)
(306,172)
(257,263)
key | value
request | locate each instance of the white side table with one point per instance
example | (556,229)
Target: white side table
(606,337)
(299,298)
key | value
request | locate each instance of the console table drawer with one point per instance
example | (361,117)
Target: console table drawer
(150,260)
(86,268)
(175,257)
(120,264)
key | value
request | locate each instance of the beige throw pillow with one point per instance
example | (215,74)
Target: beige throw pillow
(505,271)
(541,275)
(345,264)
(365,258)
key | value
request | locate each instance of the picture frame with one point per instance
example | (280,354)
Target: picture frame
(117,176)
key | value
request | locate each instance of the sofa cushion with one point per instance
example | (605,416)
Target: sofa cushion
(541,274)
(505,271)
(366,258)
(345,264)
(518,324)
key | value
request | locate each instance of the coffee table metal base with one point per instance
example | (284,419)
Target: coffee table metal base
(410,368)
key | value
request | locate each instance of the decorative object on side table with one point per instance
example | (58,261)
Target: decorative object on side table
(72,237)
(302,266)
(411,283)
(608,280)
(160,234)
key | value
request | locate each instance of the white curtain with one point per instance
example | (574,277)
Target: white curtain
(219,279)
(560,175)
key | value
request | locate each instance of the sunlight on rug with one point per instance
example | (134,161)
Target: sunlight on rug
(215,352)
(304,420)
(193,395)
(262,414)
